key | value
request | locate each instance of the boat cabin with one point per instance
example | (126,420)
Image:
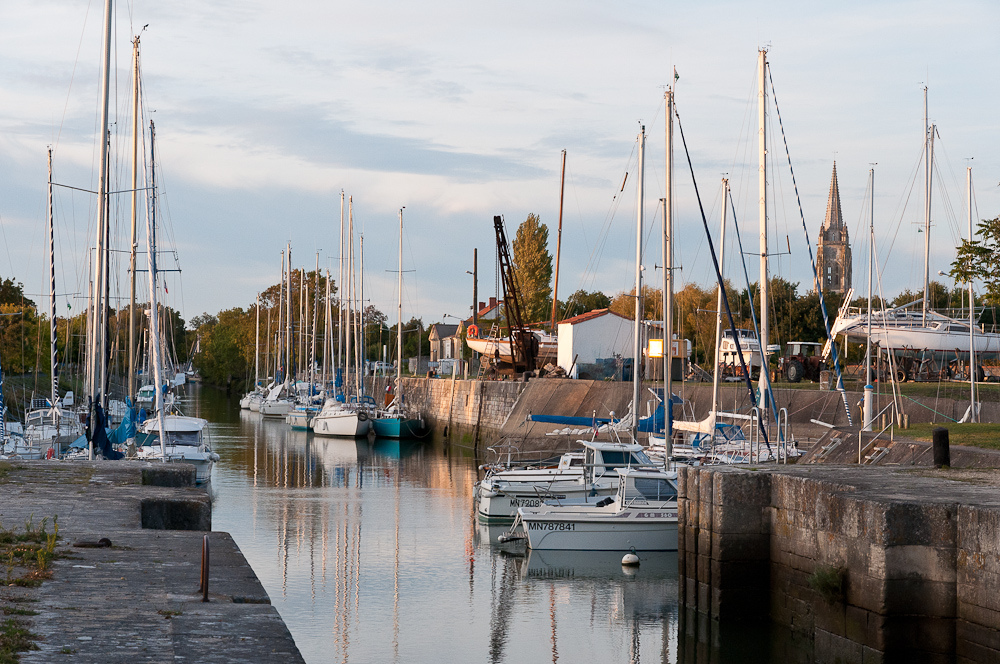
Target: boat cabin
(649,486)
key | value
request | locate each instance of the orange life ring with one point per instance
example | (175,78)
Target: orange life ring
(50,453)
(473,332)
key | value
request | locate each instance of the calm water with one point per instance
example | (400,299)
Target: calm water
(371,553)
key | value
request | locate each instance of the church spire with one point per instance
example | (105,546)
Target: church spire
(834,219)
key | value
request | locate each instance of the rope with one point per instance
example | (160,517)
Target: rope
(812,261)
(929,408)
(722,285)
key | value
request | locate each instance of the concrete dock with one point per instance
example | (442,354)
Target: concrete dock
(137,600)
(871,564)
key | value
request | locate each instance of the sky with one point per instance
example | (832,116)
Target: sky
(265,112)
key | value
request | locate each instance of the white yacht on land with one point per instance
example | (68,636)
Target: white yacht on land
(584,475)
(642,517)
(185,443)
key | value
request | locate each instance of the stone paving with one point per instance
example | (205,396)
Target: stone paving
(139,600)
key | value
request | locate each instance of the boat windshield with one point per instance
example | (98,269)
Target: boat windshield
(651,488)
(622,459)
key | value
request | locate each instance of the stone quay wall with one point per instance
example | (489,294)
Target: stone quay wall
(460,405)
(872,564)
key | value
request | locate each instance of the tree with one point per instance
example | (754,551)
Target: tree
(533,269)
(581,302)
(12,292)
(623,304)
(980,259)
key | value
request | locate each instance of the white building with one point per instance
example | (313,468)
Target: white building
(599,340)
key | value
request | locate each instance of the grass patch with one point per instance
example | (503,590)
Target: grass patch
(829,582)
(986,436)
(169,614)
(16,611)
(15,638)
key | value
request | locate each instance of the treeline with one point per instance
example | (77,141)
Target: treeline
(24,336)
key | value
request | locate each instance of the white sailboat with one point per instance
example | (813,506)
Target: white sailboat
(926,339)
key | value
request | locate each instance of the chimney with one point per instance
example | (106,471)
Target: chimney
(493,302)
(482,305)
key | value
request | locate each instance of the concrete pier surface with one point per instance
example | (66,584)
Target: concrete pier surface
(137,600)
(873,564)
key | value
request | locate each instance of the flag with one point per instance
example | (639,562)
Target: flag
(165,289)
(676,75)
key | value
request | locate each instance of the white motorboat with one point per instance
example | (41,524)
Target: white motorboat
(274,405)
(185,443)
(339,419)
(584,475)
(642,517)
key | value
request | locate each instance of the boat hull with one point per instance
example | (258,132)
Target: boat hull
(653,530)
(344,424)
(499,502)
(398,427)
(275,408)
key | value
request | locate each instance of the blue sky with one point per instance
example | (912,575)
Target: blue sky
(266,111)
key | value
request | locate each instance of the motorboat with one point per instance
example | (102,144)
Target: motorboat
(642,516)
(185,443)
(548,346)
(581,475)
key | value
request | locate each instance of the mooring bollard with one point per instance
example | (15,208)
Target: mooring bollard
(204,569)
(942,451)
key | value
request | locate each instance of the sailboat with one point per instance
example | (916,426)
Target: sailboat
(168,437)
(925,340)
(340,417)
(396,420)
(49,427)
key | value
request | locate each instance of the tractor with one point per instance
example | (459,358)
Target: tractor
(802,359)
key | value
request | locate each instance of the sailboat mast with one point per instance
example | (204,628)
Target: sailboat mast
(135,210)
(361,313)
(315,326)
(638,284)
(154,324)
(288,318)
(928,169)
(668,266)
(555,283)
(719,305)
(349,332)
(52,301)
(256,348)
(399,320)
(279,333)
(340,291)
(762,184)
(866,424)
(96,375)
(972,318)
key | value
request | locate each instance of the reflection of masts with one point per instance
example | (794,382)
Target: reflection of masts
(395,567)
(552,621)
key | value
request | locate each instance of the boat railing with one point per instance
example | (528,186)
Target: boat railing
(862,448)
(783,433)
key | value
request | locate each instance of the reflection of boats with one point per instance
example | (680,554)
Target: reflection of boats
(578,476)
(185,443)
(642,516)
(394,448)
(596,564)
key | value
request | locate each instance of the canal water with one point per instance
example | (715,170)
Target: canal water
(371,552)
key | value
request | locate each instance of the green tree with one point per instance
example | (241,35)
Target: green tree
(12,292)
(581,302)
(980,259)
(533,269)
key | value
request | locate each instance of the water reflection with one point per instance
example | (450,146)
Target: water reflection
(371,552)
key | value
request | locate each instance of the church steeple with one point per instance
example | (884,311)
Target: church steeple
(834,219)
(833,257)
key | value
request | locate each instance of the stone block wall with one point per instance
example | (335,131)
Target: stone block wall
(463,403)
(872,564)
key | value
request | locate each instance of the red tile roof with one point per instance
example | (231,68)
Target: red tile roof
(590,315)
